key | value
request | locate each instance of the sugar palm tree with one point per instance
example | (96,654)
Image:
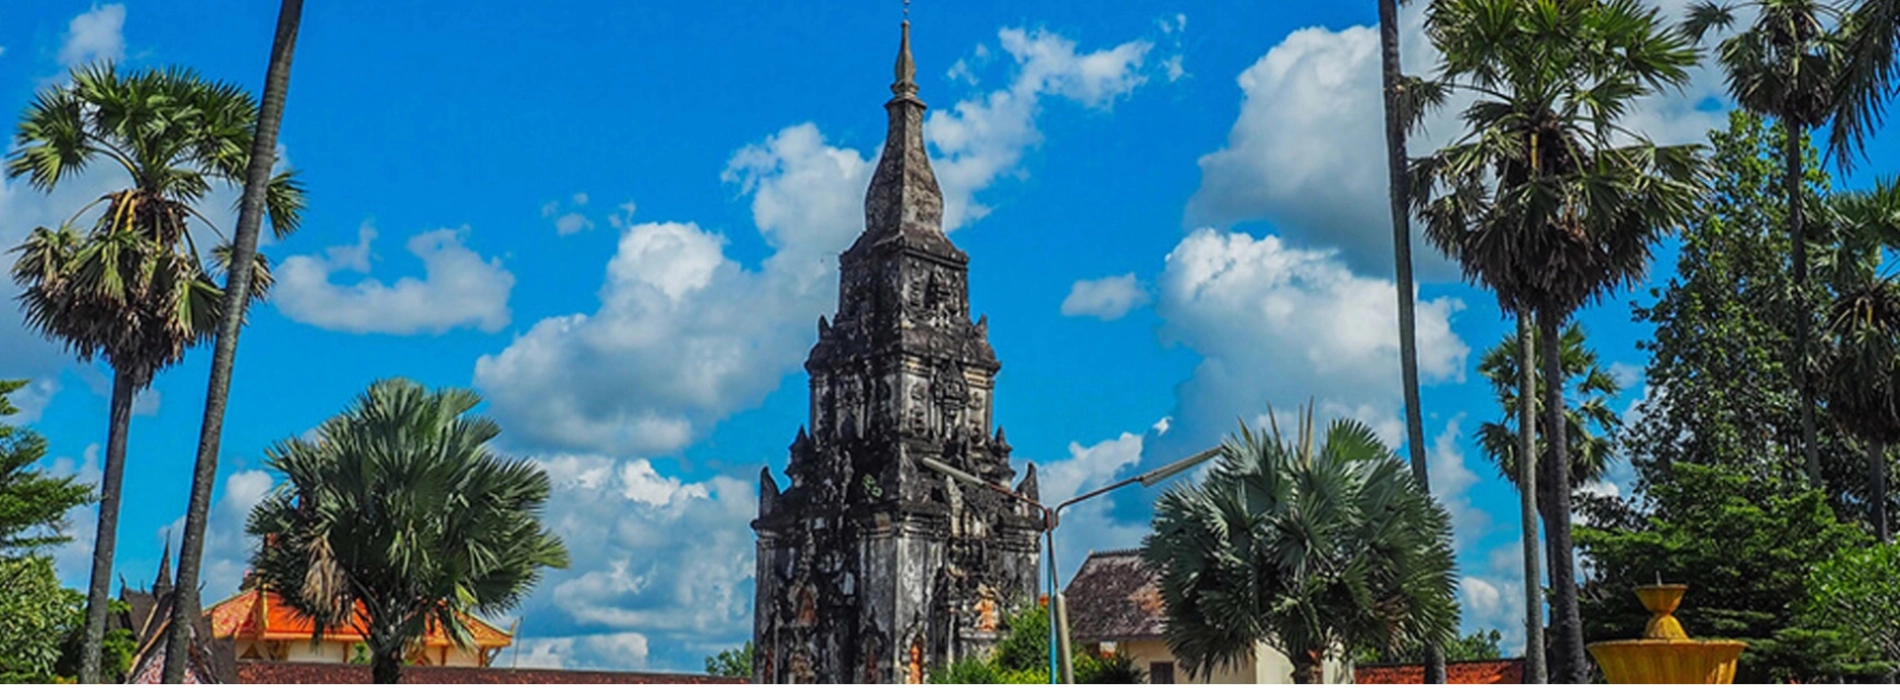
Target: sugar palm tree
(1869,76)
(1547,199)
(1785,65)
(398,507)
(1590,423)
(257,179)
(133,289)
(1858,366)
(1312,547)
(1400,113)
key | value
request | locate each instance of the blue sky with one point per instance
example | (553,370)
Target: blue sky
(620,222)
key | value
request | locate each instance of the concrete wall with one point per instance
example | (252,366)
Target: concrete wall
(1268,665)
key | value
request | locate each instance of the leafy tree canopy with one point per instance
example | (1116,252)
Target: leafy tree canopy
(731,663)
(35,614)
(32,504)
(1483,645)
(1859,591)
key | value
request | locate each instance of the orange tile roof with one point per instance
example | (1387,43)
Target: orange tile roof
(263,615)
(1501,671)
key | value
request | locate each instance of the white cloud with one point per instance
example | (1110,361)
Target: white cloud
(619,651)
(685,335)
(1307,152)
(227,549)
(570,224)
(97,35)
(31,400)
(1091,526)
(1108,298)
(73,560)
(981,139)
(1451,485)
(147,402)
(459,289)
(1279,325)
(636,578)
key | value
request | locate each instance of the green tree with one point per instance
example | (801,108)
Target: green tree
(38,613)
(1858,364)
(1311,547)
(1548,199)
(1785,66)
(1590,421)
(1477,646)
(731,663)
(134,289)
(1744,543)
(1401,113)
(238,286)
(32,505)
(1858,590)
(399,505)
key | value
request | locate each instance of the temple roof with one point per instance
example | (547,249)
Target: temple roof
(260,614)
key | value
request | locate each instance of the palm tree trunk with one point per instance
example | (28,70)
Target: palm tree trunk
(1877,480)
(385,666)
(237,293)
(125,387)
(1307,668)
(1571,665)
(1402,262)
(1527,502)
(1793,180)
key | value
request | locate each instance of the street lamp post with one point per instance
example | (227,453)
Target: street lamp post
(1057,607)
(1048,529)
(1061,663)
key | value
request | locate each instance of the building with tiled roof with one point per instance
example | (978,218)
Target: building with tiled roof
(1114,605)
(265,628)
(287,672)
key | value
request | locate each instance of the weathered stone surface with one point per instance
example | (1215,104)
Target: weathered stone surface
(871,567)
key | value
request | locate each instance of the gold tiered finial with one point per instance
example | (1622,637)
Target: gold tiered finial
(906,85)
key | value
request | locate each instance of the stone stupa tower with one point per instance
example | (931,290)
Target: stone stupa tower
(871,567)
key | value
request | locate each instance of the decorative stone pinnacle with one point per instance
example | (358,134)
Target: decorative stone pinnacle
(906,85)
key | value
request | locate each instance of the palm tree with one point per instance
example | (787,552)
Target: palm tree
(133,289)
(1858,366)
(1784,66)
(1868,78)
(1590,422)
(1314,548)
(1399,116)
(257,178)
(397,507)
(1547,199)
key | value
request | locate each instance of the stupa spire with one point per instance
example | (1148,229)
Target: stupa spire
(904,199)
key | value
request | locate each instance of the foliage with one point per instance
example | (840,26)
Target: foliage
(1858,591)
(32,505)
(38,613)
(1744,544)
(1114,669)
(1478,646)
(1592,423)
(1306,545)
(1026,646)
(399,505)
(731,663)
(116,649)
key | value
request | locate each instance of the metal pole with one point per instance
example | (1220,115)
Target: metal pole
(1049,535)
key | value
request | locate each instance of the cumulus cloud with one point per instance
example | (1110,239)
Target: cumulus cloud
(571,222)
(1278,325)
(981,139)
(1307,152)
(227,552)
(1091,525)
(1451,485)
(459,289)
(636,577)
(686,335)
(96,35)
(1108,298)
(73,560)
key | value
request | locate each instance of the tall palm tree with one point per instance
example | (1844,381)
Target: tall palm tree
(1547,199)
(1590,423)
(1785,65)
(133,289)
(1858,366)
(1399,116)
(1312,547)
(257,178)
(1869,77)
(398,507)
